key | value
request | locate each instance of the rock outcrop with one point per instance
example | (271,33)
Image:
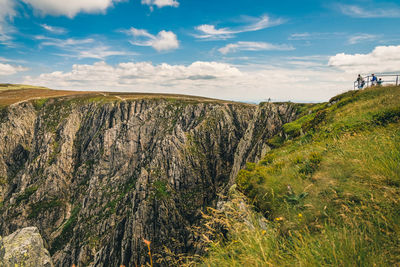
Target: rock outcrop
(97,177)
(24,248)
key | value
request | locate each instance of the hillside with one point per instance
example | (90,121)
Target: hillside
(327,194)
(98,172)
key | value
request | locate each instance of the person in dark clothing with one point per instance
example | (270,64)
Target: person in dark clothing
(360,82)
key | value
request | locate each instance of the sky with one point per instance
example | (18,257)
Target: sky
(253,50)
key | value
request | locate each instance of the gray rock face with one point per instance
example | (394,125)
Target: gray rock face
(97,177)
(24,248)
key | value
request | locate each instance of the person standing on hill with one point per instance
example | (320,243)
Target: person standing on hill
(374,80)
(360,81)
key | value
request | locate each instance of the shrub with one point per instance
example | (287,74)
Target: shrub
(294,129)
(319,117)
(26,194)
(38,207)
(268,159)
(39,103)
(250,166)
(66,232)
(276,141)
(160,188)
(386,116)
(311,164)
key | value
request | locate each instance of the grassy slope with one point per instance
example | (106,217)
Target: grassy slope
(330,191)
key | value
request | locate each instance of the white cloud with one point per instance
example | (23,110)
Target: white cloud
(381,59)
(163,41)
(253,46)
(212,79)
(392,11)
(300,36)
(210,32)
(63,43)
(7,13)
(7,69)
(160,3)
(82,48)
(53,29)
(101,52)
(362,38)
(71,7)
(315,35)
(13,60)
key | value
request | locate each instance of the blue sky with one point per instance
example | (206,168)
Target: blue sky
(242,50)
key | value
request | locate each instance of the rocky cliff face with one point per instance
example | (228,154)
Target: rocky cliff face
(97,176)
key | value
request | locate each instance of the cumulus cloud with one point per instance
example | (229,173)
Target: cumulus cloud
(7,69)
(53,29)
(392,11)
(211,79)
(362,38)
(71,7)
(253,46)
(381,59)
(163,41)
(207,31)
(160,3)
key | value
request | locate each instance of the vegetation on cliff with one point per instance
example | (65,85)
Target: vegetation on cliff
(329,190)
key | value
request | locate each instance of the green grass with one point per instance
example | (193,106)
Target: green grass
(160,189)
(26,194)
(66,232)
(7,86)
(39,103)
(42,206)
(330,192)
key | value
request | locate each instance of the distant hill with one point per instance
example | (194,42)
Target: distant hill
(14,93)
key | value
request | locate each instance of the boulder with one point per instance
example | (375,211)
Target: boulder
(24,247)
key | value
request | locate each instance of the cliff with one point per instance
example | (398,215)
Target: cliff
(98,173)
